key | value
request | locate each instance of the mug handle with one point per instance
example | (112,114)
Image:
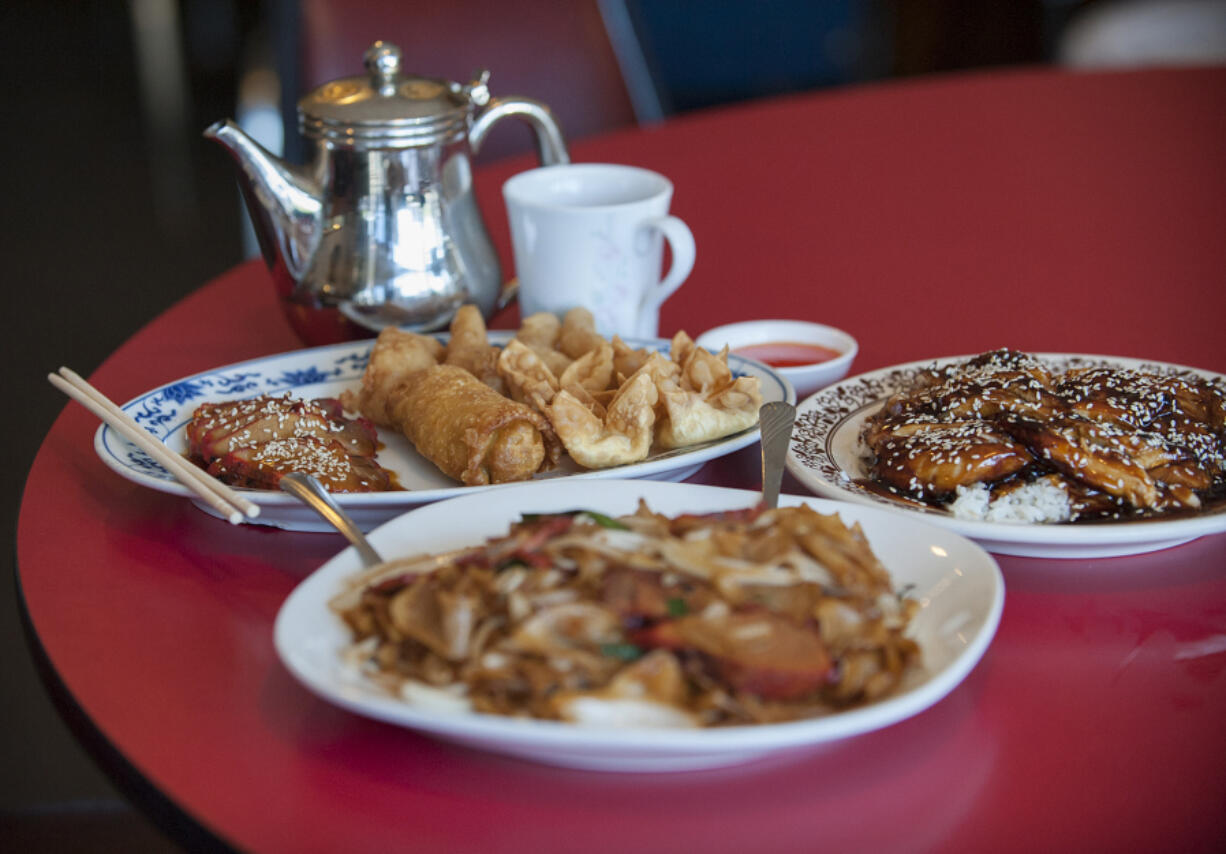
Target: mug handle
(681,242)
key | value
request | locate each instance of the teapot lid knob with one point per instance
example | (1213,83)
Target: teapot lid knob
(382,60)
(386,108)
(478,90)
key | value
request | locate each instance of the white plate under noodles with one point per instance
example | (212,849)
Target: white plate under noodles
(958,586)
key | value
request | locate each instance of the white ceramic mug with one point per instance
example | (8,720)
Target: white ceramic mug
(592,235)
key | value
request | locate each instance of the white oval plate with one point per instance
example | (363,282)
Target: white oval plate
(328,371)
(827,456)
(958,585)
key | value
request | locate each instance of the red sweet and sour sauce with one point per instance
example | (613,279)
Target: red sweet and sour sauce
(787,354)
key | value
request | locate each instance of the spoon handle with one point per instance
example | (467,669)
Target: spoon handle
(308,490)
(775,420)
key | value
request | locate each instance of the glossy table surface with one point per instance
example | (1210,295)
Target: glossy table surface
(1035,209)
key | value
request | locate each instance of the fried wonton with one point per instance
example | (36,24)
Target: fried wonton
(539,332)
(660,369)
(681,347)
(527,378)
(692,417)
(469,347)
(597,403)
(622,436)
(627,360)
(700,400)
(578,334)
(593,370)
(701,370)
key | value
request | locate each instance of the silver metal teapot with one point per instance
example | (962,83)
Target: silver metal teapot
(381,227)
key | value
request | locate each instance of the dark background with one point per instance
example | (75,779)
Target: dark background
(115,207)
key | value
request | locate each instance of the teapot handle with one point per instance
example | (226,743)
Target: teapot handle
(550,146)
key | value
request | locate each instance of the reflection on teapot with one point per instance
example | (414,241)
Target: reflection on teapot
(381,227)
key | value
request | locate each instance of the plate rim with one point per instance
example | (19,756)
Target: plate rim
(1054,536)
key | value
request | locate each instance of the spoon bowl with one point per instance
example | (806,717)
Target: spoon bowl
(775,420)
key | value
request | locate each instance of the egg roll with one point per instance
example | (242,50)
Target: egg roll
(396,356)
(471,432)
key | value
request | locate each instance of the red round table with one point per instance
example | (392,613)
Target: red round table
(1040,210)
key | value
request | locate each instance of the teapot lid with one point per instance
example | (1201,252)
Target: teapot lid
(386,108)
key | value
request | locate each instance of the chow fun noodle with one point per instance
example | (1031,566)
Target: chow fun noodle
(741,617)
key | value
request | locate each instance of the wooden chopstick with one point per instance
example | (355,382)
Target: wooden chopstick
(220,497)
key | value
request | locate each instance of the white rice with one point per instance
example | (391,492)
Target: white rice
(1038,501)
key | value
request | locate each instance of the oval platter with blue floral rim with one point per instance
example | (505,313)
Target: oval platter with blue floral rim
(329,371)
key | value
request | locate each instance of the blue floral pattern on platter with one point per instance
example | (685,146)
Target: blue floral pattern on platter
(165,410)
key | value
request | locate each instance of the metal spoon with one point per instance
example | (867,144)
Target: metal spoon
(775,420)
(308,490)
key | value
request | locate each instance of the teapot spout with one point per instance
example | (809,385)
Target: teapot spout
(286,205)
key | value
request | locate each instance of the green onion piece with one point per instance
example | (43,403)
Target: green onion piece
(606,521)
(599,518)
(623,651)
(677,607)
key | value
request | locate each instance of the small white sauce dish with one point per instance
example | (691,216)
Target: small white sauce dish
(806,379)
